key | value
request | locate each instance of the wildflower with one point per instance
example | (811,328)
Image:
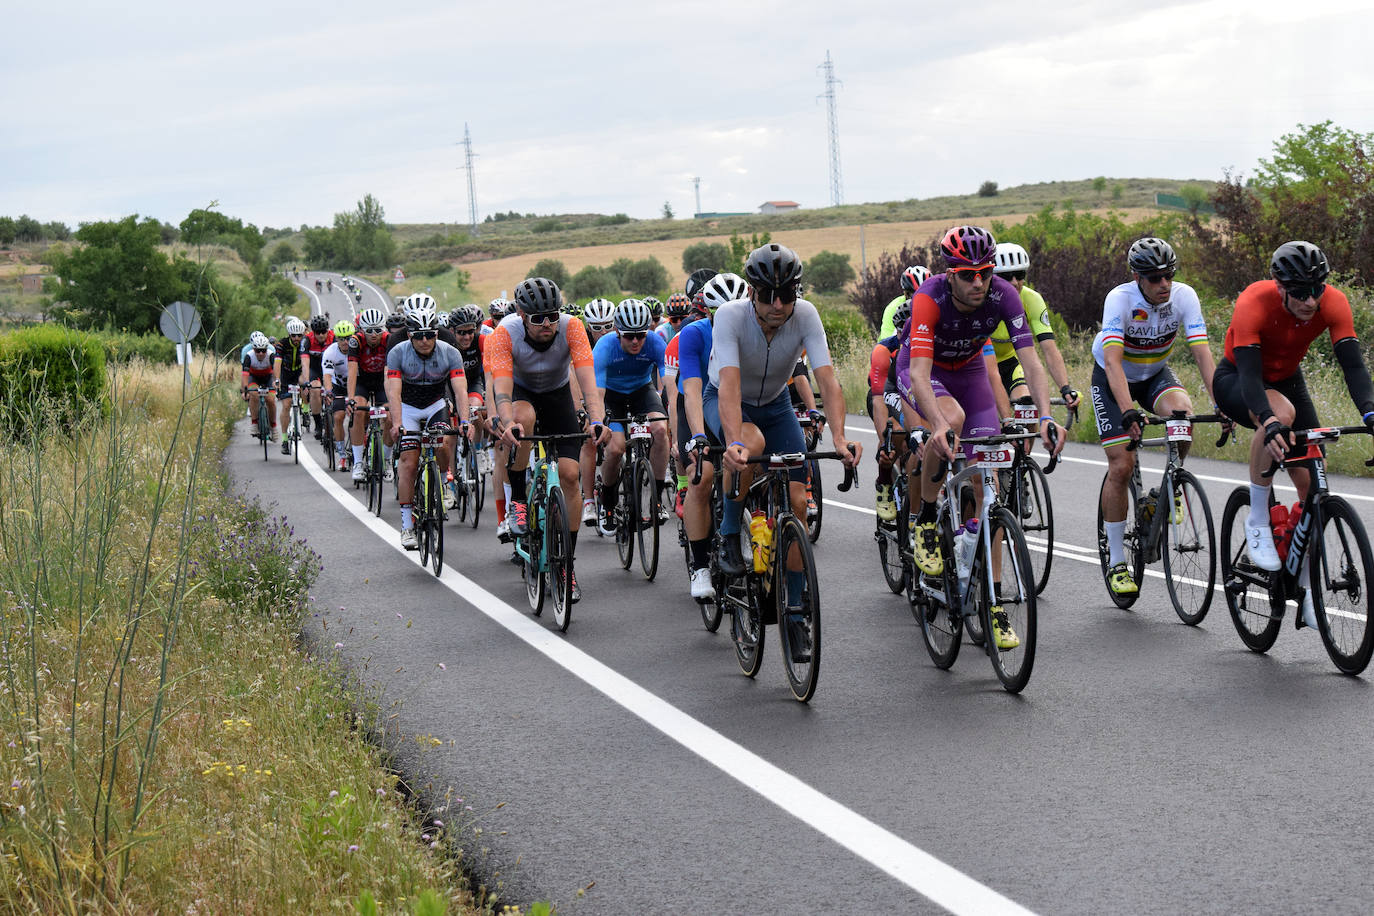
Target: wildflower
(353,848)
(443,667)
(333,793)
(338,645)
(381,792)
(438,823)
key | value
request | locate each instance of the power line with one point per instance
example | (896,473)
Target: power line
(468,156)
(836,189)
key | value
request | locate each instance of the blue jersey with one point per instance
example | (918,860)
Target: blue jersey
(693,352)
(625,373)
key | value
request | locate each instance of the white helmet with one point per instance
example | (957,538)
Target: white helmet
(295,326)
(258,340)
(723,288)
(419,301)
(600,312)
(371,319)
(1010,258)
(632,316)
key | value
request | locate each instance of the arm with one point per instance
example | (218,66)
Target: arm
(691,398)
(1356,375)
(1202,355)
(999,391)
(1054,361)
(596,407)
(393,402)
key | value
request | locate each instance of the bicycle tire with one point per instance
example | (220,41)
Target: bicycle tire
(813,522)
(623,513)
(264,424)
(1031,505)
(890,556)
(1240,580)
(646,518)
(942,623)
(1134,549)
(746,624)
(434,520)
(479,486)
(559,561)
(419,512)
(1345,630)
(804,672)
(534,548)
(296,430)
(1018,598)
(1189,574)
(331,460)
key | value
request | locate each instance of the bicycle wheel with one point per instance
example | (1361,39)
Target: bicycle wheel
(559,562)
(264,424)
(813,519)
(1028,499)
(1134,549)
(1250,591)
(646,521)
(477,486)
(940,614)
(327,440)
(625,514)
(746,622)
(295,432)
(534,547)
(419,513)
(1013,589)
(1342,575)
(890,556)
(1189,550)
(799,614)
(434,519)
(374,475)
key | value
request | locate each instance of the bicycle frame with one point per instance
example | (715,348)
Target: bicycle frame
(1178,428)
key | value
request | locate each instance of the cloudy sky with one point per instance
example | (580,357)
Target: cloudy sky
(286,112)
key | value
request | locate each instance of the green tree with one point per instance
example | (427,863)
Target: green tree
(550,269)
(987,189)
(667,210)
(7,232)
(117,278)
(646,277)
(1099,185)
(1194,196)
(705,254)
(592,281)
(57,231)
(1118,191)
(740,248)
(283,253)
(619,268)
(1313,158)
(28,229)
(829,271)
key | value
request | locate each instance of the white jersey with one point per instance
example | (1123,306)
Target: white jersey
(1147,333)
(335,362)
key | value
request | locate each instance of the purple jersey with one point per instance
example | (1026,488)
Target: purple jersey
(950,337)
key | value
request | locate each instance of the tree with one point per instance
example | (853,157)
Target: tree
(740,248)
(28,229)
(705,254)
(987,189)
(882,280)
(619,268)
(1099,185)
(7,231)
(1118,190)
(550,269)
(1194,196)
(646,277)
(117,277)
(57,231)
(283,253)
(592,281)
(667,210)
(828,271)
(371,214)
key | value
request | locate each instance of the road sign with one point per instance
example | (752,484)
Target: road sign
(180,322)
(400,275)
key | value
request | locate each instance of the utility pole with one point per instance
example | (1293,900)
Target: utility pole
(836,192)
(468,156)
(696,183)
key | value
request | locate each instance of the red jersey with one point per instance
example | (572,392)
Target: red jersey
(319,343)
(1260,320)
(370,360)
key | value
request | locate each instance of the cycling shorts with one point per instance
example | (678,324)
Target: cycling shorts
(643,401)
(370,387)
(1145,392)
(414,419)
(555,415)
(684,432)
(1226,387)
(1012,375)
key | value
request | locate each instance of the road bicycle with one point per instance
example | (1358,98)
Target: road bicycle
(264,433)
(781,585)
(545,550)
(1337,564)
(1172,522)
(999,573)
(427,503)
(711,608)
(373,460)
(894,538)
(331,456)
(637,515)
(815,490)
(1026,491)
(469,482)
(293,424)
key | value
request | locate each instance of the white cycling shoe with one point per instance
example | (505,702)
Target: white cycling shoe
(702,589)
(1259,543)
(359,473)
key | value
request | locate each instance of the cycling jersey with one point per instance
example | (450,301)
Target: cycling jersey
(1037,317)
(765,366)
(669,357)
(941,332)
(423,378)
(371,360)
(693,352)
(538,369)
(881,363)
(293,358)
(395,338)
(888,326)
(472,363)
(1260,320)
(259,369)
(335,362)
(318,343)
(1147,332)
(624,372)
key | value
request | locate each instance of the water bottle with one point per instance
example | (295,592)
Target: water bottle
(965,544)
(1147,507)
(761,534)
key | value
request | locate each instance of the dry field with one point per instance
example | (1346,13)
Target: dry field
(491,278)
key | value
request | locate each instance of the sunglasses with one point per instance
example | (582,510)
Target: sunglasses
(767,294)
(424,335)
(600,328)
(633,335)
(1306,292)
(465,330)
(1159,277)
(259,349)
(1014,275)
(969,274)
(544,318)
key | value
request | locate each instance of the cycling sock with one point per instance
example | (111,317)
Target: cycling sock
(386,454)
(407,520)
(796,584)
(357,454)
(1116,540)
(517,488)
(506,487)
(609,493)
(731,517)
(682,481)
(927,513)
(316,418)
(572,544)
(884,476)
(701,553)
(1259,506)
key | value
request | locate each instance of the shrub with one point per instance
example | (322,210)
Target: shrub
(619,269)
(592,281)
(615,220)
(987,189)
(646,277)
(828,271)
(705,254)
(882,280)
(549,224)
(550,269)
(50,365)
(427,268)
(120,347)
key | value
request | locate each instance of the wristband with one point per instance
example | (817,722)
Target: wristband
(740,444)
(1044,418)
(698,435)
(1367,416)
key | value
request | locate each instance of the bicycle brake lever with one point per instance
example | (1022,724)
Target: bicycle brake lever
(849,475)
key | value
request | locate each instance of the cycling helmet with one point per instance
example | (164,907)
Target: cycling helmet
(723,288)
(443,319)
(913,277)
(538,296)
(468,314)
(699,304)
(678,306)
(1299,264)
(419,301)
(498,309)
(258,340)
(902,314)
(343,329)
(319,324)
(1010,258)
(968,246)
(295,326)
(371,319)
(697,280)
(1149,254)
(599,313)
(632,315)
(655,307)
(773,266)
(573,309)
(422,318)
(395,321)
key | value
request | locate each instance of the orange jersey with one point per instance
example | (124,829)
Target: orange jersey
(1260,320)
(508,354)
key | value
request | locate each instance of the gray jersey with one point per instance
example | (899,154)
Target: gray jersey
(765,366)
(423,379)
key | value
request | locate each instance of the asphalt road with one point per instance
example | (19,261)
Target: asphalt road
(1148,767)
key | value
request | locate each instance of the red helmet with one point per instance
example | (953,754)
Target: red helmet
(968,246)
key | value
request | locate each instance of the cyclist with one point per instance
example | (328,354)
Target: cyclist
(655,309)
(329,286)
(463,322)
(398,323)
(912,278)
(628,365)
(755,344)
(317,340)
(532,356)
(599,318)
(366,368)
(675,312)
(693,435)
(1140,321)
(291,357)
(259,360)
(882,377)
(1012,264)
(1259,381)
(498,308)
(417,373)
(945,377)
(334,370)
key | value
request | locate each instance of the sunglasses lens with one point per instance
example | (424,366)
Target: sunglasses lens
(1015,275)
(1306,292)
(633,335)
(1158,277)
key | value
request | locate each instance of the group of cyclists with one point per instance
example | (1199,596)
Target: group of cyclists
(719,373)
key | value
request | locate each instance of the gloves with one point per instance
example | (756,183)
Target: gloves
(696,444)
(917,438)
(1132,418)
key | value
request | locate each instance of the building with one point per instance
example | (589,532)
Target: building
(778,206)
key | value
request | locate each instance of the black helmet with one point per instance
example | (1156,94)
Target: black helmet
(1151,254)
(699,278)
(538,296)
(395,321)
(1299,264)
(773,266)
(319,324)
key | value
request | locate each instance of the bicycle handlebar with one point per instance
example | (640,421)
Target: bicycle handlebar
(780,460)
(1226,433)
(1320,434)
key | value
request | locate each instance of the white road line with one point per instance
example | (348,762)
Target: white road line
(917,869)
(318,309)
